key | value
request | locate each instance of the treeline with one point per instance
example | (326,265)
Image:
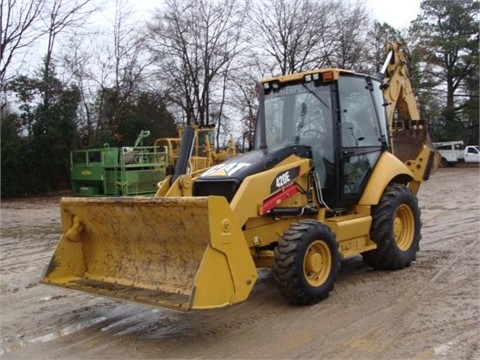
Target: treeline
(195,62)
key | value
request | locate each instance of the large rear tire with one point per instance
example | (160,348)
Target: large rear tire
(306,262)
(395,229)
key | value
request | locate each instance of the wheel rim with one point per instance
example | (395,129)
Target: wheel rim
(403,227)
(317,263)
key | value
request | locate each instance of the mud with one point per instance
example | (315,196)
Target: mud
(427,311)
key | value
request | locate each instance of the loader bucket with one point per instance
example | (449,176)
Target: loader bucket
(173,252)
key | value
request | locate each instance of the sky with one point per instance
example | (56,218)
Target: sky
(397,13)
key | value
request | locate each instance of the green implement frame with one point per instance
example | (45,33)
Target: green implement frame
(124,171)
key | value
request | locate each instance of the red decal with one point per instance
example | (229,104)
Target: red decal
(279,197)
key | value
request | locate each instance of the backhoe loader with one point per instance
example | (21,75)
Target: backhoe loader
(203,154)
(337,162)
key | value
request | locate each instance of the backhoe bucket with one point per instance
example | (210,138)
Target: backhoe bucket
(174,252)
(408,142)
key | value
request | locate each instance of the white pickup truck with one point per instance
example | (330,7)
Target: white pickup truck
(454,151)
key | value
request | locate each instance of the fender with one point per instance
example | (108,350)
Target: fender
(388,168)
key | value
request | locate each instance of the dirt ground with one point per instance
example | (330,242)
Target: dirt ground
(427,311)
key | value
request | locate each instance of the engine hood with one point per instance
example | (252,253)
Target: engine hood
(224,179)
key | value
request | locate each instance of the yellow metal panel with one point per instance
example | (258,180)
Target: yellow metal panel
(68,259)
(353,233)
(419,166)
(349,226)
(301,75)
(214,283)
(163,186)
(254,189)
(388,167)
(234,264)
(264,230)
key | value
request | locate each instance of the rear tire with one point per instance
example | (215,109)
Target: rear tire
(395,229)
(306,262)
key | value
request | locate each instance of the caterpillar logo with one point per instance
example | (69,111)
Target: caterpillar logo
(224,169)
(284,178)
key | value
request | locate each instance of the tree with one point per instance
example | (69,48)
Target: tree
(470,109)
(50,130)
(61,15)
(76,62)
(122,61)
(14,152)
(54,136)
(148,112)
(301,35)
(247,105)
(108,65)
(194,44)
(447,38)
(292,33)
(347,44)
(19,20)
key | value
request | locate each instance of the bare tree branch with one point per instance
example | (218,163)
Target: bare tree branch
(194,44)
(292,32)
(19,20)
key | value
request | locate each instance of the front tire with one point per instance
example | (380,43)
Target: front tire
(395,229)
(306,262)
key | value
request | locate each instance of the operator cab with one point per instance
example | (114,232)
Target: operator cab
(340,115)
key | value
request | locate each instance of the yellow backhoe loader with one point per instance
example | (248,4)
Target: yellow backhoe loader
(338,160)
(203,154)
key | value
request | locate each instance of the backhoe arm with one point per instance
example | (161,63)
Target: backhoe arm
(398,89)
(409,136)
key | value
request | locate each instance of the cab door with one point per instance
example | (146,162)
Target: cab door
(362,134)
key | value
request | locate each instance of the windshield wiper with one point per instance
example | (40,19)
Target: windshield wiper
(316,95)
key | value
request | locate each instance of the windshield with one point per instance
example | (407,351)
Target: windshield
(298,114)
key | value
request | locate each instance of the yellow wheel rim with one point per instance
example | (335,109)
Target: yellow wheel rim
(317,263)
(403,227)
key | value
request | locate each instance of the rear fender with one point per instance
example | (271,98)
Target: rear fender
(388,169)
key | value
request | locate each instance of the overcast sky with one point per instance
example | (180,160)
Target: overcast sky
(396,13)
